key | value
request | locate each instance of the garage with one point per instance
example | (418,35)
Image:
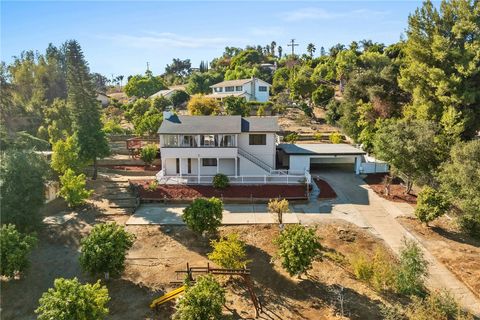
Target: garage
(300,157)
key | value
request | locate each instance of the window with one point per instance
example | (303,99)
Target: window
(262,88)
(238,88)
(189,141)
(258,139)
(207,140)
(218,89)
(209,162)
(227,140)
(171,140)
(229,89)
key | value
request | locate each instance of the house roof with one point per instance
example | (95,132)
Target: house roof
(178,124)
(162,93)
(325,149)
(239,82)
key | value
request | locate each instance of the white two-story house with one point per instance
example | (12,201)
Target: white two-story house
(202,146)
(252,89)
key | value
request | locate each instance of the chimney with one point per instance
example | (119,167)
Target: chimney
(254,86)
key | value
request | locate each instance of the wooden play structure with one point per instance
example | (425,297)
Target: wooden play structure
(192,272)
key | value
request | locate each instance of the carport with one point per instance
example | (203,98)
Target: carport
(310,156)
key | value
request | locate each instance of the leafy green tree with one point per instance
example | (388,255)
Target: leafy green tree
(409,147)
(81,100)
(22,178)
(345,62)
(298,247)
(179,97)
(105,248)
(460,181)
(15,250)
(143,86)
(65,156)
(69,299)
(203,301)
(302,85)
(148,123)
(204,215)
(431,204)
(412,269)
(160,103)
(322,95)
(179,68)
(149,153)
(57,121)
(73,188)
(236,106)
(281,78)
(441,64)
(229,252)
(199,105)
(199,83)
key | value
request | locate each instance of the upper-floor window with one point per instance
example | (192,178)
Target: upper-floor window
(262,88)
(257,139)
(171,140)
(188,141)
(218,89)
(238,88)
(207,140)
(227,140)
(229,89)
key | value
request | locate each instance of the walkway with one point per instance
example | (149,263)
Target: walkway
(380,215)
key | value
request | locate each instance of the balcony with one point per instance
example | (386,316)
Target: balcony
(199,141)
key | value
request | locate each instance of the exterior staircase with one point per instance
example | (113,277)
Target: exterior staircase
(260,163)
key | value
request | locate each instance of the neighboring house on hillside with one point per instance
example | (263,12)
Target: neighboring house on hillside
(104,99)
(167,93)
(196,147)
(252,89)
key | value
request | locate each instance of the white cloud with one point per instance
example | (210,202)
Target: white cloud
(267,31)
(322,14)
(168,39)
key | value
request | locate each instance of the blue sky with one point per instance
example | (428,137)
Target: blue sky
(119,37)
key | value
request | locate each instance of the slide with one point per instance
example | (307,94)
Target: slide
(167,297)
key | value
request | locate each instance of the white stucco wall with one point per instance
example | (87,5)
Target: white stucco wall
(266,153)
(247,168)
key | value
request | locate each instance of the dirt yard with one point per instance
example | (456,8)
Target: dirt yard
(234,191)
(397,190)
(459,253)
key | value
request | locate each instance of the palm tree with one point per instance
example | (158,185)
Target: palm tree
(273,45)
(311,49)
(280,49)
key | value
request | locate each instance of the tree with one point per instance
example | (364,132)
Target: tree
(298,246)
(412,269)
(236,106)
(73,188)
(460,181)
(431,204)
(280,51)
(15,250)
(201,105)
(203,301)
(149,153)
(22,178)
(65,156)
(104,249)
(69,299)
(229,252)
(99,82)
(311,49)
(81,100)
(440,68)
(200,82)
(322,95)
(273,45)
(203,215)
(278,207)
(143,86)
(409,147)
(148,123)
(160,103)
(302,85)
(57,121)
(179,97)
(178,67)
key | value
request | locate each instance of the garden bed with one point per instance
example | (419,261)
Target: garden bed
(326,191)
(188,192)
(132,167)
(397,189)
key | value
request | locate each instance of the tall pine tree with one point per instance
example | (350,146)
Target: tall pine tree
(81,100)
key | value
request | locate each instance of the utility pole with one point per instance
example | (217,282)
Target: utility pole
(148,66)
(293,45)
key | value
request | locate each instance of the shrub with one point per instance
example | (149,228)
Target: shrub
(394,312)
(431,204)
(335,138)
(66,156)
(362,267)
(179,97)
(204,300)
(105,248)
(15,248)
(412,270)
(149,153)
(204,215)
(437,305)
(278,207)
(291,137)
(229,252)
(69,299)
(298,246)
(112,126)
(261,111)
(322,95)
(199,105)
(318,136)
(220,181)
(236,106)
(73,188)
(379,271)
(152,185)
(470,223)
